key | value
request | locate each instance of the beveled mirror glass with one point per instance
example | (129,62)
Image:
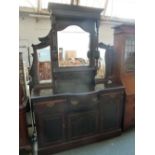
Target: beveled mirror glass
(44,65)
(101,64)
(73,45)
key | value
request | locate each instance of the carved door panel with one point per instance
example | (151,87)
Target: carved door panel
(50,129)
(82,124)
(111,111)
(50,121)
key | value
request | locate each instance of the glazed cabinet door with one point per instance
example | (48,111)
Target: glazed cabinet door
(50,122)
(111,107)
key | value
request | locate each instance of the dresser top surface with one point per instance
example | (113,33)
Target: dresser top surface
(44,93)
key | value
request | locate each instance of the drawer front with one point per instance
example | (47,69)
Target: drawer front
(83,103)
(51,106)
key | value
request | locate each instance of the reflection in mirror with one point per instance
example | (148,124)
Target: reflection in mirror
(73,45)
(101,69)
(44,65)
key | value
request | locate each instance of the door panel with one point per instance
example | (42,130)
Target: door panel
(50,128)
(82,124)
(111,111)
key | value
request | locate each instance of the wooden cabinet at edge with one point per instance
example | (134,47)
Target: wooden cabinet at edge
(124,45)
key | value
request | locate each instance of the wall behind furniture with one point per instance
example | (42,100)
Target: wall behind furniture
(30,29)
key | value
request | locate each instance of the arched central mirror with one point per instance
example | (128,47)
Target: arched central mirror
(73,46)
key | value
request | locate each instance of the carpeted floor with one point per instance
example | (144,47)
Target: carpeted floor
(122,145)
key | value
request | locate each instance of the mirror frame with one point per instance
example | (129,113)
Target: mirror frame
(34,71)
(90,26)
(109,63)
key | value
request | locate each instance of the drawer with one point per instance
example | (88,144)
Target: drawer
(78,103)
(111,98)
(51,106)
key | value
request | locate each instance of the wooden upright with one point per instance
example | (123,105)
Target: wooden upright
(124,44)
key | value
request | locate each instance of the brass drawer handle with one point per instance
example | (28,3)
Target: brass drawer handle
(112,95)
(94,99)
(50,105)
(74,102)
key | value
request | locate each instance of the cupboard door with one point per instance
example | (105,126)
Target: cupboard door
(50,129)
(111,108)
(50,121)
(82,124)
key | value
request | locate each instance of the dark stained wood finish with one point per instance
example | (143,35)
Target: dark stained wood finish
(39,71)
(82,124)
(67,120)
(121,33)
(69,11)
(111,111)
(76,111)
(110,58)
(63,16)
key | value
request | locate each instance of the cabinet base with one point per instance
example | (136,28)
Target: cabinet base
(75,143)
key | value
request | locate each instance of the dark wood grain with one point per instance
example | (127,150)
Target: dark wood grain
(76,110)
(63,16)
(62,119)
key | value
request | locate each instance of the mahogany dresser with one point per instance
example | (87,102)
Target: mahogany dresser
(124,44)
(74,109)
(64,121)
